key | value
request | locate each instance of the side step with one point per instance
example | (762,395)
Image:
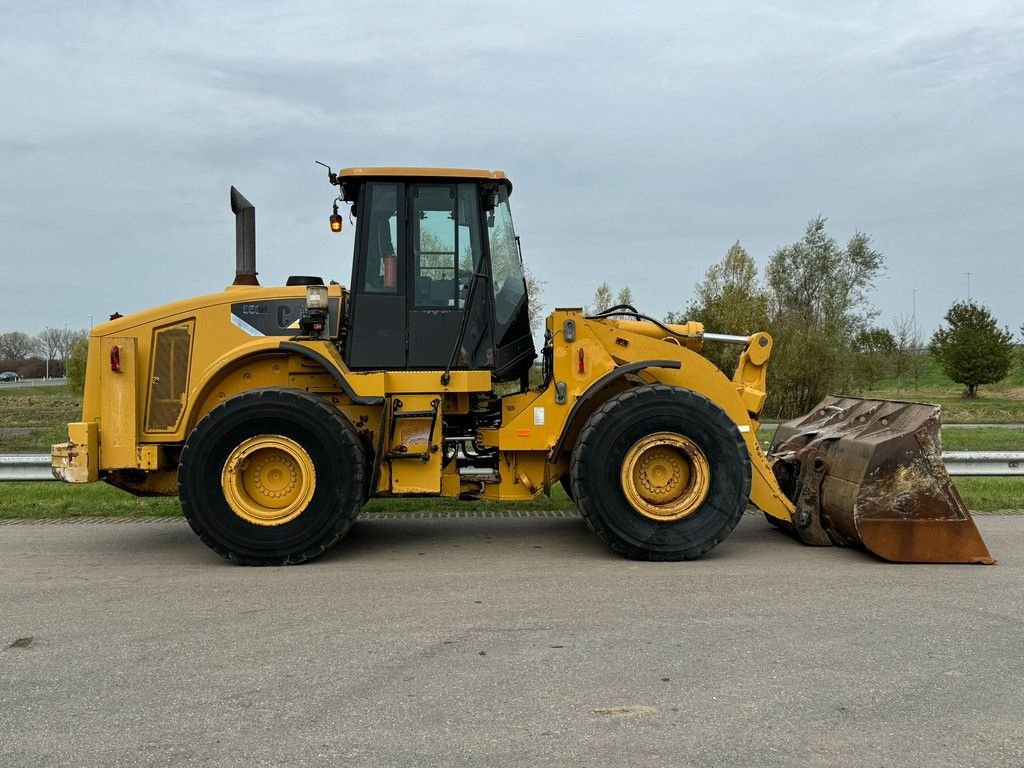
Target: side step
(402,451)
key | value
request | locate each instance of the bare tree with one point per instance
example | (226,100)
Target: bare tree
(50,344)
(873,348)
(16,346)
(602,298)
(906,357)
(534,290)
(67,339)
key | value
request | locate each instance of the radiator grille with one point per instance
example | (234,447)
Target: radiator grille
(170,377)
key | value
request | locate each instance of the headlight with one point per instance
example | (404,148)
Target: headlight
(316,297)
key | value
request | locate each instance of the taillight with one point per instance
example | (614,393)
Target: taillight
(115,358)
(583,366)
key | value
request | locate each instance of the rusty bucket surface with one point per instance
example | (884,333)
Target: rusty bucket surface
(870,473)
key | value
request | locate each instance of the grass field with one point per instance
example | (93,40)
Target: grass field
(48,409)
(45,411)
(995,403)
(985,439)
(959,439)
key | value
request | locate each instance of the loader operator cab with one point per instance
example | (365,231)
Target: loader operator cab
(435,248)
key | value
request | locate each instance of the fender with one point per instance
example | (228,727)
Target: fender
(594,388)
(214,372)
(331,368)
(251,351)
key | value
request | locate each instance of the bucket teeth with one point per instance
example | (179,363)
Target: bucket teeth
(869,473)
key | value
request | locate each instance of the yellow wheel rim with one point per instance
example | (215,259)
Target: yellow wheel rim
(268,480)
(665,476)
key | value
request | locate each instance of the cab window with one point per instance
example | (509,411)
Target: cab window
(383,245)
(446,243)
(508,281)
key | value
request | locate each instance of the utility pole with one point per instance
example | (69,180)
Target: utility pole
(913,316)
(968,286)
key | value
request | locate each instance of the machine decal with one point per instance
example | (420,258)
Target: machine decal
(278,317)
(240,323)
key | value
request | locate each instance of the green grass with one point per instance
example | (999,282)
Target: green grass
(30,501)
(51,408)
(991,494)
(995,403)
(46,409)
(1005,407)
(983,439)
(931,377)
(957,439)
(60,500)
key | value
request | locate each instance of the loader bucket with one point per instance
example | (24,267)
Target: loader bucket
(869,473)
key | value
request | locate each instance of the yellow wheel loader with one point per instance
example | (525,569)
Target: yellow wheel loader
(275,413)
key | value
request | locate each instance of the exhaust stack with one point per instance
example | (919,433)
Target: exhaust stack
(245,239)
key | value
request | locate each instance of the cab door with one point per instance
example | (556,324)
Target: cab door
(444,250)
(377,318)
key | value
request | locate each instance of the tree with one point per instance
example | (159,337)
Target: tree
(875,347)
(534,290)
(74,368)
(818,305)
(16,346)
(972,350)
(730,299)
(67,340)
(602,299)
(625,296)
(51,341)
(906,356)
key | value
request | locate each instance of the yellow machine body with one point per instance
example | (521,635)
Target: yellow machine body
(119,439)
(263,409)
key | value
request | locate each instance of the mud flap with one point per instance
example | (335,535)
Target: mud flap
(869,473)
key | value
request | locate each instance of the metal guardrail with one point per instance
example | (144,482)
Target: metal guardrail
(53,382)
(25,466)
(984,463)
(36,466)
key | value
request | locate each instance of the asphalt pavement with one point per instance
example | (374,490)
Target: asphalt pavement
(503,642)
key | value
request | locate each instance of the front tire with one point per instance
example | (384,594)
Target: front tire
(273,476)
(660,473)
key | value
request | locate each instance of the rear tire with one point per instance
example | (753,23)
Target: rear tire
(660,473)
(273,476)
(566,482)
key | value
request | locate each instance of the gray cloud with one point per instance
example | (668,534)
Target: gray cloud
(642,139)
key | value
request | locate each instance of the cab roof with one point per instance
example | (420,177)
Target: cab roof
(350,178)
(441,173)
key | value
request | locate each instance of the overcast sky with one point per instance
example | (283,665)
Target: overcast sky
(642,140)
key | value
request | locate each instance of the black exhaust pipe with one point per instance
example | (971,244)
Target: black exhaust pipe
(245,239)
